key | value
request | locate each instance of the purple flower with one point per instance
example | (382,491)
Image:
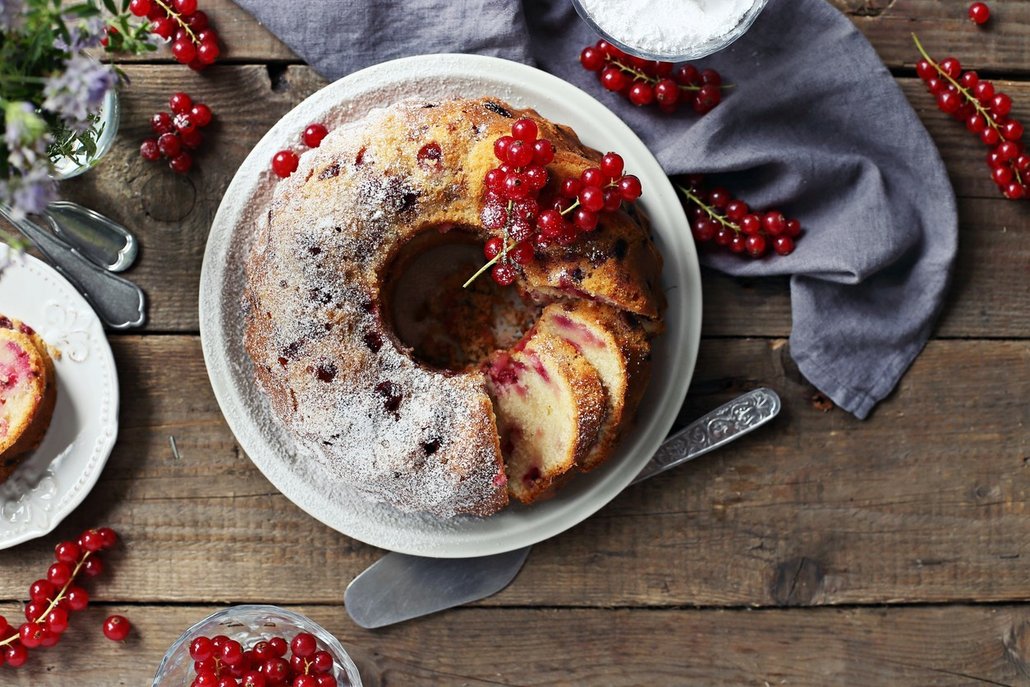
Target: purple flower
(28,193)
(85,33)
(25,136)
(12,15)
(78,91)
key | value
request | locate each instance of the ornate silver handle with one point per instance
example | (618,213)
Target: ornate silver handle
(721,426)
(119,303)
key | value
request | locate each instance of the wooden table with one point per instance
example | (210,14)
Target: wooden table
(821,550)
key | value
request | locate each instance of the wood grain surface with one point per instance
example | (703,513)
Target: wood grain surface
(818,551)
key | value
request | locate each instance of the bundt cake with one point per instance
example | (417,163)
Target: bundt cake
(399,426)
(28,392)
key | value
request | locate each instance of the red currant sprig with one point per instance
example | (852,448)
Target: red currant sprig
(512,202)
(728,222)
(222,662)
(53,598)
(647,82)
(194,42)
(284,163)
(176,131)
(985,112)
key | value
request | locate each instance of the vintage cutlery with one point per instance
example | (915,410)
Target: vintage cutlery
(96,237)
(119,303)
(400,587)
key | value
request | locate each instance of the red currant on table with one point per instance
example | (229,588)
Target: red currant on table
(116,628)
(148,150)
(979,13)
(180,103)
(984,111)
(718,218)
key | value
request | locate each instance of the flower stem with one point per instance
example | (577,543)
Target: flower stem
(721,219)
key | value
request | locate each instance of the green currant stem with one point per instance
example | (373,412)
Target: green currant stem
(709,210)
(178,20)
(491,263)
(973,100)
(637,74)
(57,599)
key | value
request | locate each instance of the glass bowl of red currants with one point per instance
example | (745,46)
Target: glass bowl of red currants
(257,646)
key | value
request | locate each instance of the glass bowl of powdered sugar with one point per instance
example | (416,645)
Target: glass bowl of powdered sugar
(670,30)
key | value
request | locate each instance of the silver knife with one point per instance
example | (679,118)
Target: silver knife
(400,587)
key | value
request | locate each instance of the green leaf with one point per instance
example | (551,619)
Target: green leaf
(109,4)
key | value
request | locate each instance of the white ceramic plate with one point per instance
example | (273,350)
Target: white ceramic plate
(56,478)
(247,412)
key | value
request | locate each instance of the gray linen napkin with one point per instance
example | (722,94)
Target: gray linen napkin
(816,126)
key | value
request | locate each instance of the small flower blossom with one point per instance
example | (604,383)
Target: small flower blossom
(85,33)
(78,91)
(25,136)
(29,193)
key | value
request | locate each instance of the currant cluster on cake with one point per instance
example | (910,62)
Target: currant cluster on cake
(53,598)
(222,662)
(718,218)
(515,205)
(986,112)
(177,132)
(194,41)
(646,82)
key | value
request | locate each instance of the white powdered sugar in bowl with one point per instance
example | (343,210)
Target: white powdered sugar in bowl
(670,30)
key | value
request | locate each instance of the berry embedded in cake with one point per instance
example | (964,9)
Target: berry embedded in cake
(445,433)
(28,393)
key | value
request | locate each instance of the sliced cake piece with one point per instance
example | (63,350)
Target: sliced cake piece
(550,405)
(618,347)
(28,392)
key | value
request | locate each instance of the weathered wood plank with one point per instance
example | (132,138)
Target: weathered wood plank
(943,647)
(944,28)
(173,213)
(925,502)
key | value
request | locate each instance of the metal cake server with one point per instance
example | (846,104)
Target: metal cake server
(119,303)
(96,237)
(400,587)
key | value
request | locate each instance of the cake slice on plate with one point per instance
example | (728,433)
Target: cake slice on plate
(28,393)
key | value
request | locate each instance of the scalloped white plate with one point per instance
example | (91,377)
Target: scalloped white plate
(56,478)
(247,411)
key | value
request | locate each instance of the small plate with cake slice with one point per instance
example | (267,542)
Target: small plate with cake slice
(58,399)
(383,397)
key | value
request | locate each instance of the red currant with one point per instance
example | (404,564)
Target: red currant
(793,228)
(501,147)
(180,103)
(31,634)
(755,245)
(550,223)
(161,123)
(16,655)
(519,153)
(751,224)
(1012,130)
(208,52)
(57,620)
(180,164)
(783,245)
(284,163)
(326,680)
(925,70)
(738,244)
(667,93)
(520,253)
(503,274)
(543,152)
(984,91)
(592,59)
(536,177)
(951,67)
(314,134)
(688,75)
(629,187)
(612,165)
(1015,191)
(494,180)
(774,223)
(198,21)
(200,114)
(108,537)
(492,247)
(192,138)
(185,7)
(231,652)
(170,146)
(94,566)
(140,8)
(613,79)
(305,681)
(707,98)
(524,130)
(77,598)
(585,220)
(641,94)
(322,661)
(736,209)
(253,678)
(163,27)
(59,574)
(116,628)
(570,188)
(1001,104)
(184,51)
(592,198)
(42,590)
(979,13)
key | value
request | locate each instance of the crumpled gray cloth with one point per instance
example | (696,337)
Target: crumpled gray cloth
(815,126)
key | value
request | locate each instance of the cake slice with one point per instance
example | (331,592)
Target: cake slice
(550,405)
(28,392)
(618,347)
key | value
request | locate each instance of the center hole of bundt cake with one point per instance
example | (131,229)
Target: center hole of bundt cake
(446,326)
